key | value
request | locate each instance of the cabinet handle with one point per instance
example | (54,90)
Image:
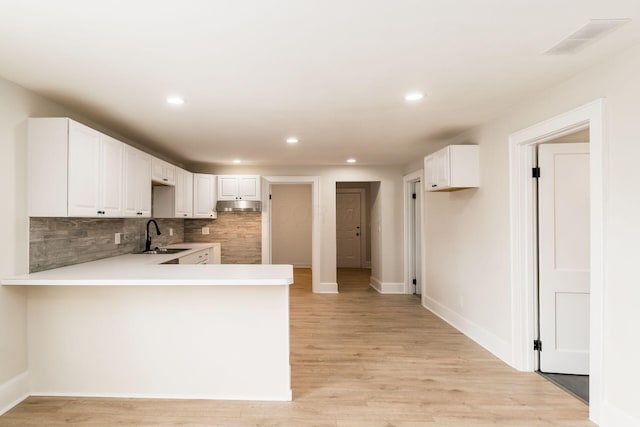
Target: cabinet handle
(165,179)
(185,214)
(434,185)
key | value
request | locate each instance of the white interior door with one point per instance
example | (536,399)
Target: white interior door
(348,229)
(564,260)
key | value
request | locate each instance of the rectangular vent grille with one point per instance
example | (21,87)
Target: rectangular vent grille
(590,32)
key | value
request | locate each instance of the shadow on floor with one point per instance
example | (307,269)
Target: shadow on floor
(577,385)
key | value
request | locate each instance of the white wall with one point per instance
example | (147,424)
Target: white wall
(291,215)
(467,232)
(387,232)
(16,106)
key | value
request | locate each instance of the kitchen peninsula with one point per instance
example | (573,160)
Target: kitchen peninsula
(137,326)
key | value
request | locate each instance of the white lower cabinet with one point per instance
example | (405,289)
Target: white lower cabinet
(137,183)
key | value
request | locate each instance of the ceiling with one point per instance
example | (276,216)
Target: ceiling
(333,73)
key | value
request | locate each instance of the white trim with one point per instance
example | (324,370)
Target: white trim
(326,288)
(14,391)
(407,180)
(363,221)
(498,347)
(521,153)
(315,232)
(386,287)
(615,417)
(284,396)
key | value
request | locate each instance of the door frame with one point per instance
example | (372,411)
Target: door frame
(315,222)
(407,181)
(522,145)
(363,223)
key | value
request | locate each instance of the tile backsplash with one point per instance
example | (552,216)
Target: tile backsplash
(239,234)
(57,242)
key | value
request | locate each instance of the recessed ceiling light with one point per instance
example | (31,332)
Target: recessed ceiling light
(413,96)
(175,100)
(236,161)
(292,140)
(351,160)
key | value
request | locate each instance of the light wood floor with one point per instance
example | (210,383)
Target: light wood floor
(358,359)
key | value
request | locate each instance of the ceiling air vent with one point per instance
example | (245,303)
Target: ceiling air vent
(590,32)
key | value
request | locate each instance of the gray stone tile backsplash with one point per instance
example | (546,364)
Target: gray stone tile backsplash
(239,234)
(57,242)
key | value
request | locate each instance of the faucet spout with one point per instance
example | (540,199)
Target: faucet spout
(147,245)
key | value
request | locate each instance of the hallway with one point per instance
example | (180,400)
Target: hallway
(358,359)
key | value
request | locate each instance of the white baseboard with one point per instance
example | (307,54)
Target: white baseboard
(14,391)
(301,265)
(386,287)
(612,416)
(500,348)
(326,288)
(284,396)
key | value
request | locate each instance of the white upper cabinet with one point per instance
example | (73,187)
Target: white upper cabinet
(184,193)
(204,195)
(174,201)
(163,172)
(94,173)
(137,183)
(238,187)
(452,168)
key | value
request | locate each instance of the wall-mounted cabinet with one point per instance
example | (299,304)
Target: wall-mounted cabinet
(74,170)
(454,167)
(238,187)
(174,201)
(163,172)
(137,183)
(204,195)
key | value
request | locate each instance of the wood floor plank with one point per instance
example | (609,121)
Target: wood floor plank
(358,359)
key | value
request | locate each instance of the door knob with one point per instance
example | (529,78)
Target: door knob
(357,234)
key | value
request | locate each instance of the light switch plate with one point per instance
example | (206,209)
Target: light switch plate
(117,238)
(205,230)
(171,232)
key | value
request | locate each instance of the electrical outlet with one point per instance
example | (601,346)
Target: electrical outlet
(117,238)
(205,230)
(171,232)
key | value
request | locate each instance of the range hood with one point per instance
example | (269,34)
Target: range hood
(239,206)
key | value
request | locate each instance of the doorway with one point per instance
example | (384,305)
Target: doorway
(291,224)
(523,259)
(413,239)
(353,231)
(562,177)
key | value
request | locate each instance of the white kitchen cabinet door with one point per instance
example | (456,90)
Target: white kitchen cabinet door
(84,171)
(111,174)
(183,194)
(228,187)
(94,173)
(452,168)
(238,187)
(249,187)
(163,172)
(137,183)
(204,195)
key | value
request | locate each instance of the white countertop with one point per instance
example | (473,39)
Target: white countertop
(148,270)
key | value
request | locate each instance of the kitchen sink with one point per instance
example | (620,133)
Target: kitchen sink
(162,251)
